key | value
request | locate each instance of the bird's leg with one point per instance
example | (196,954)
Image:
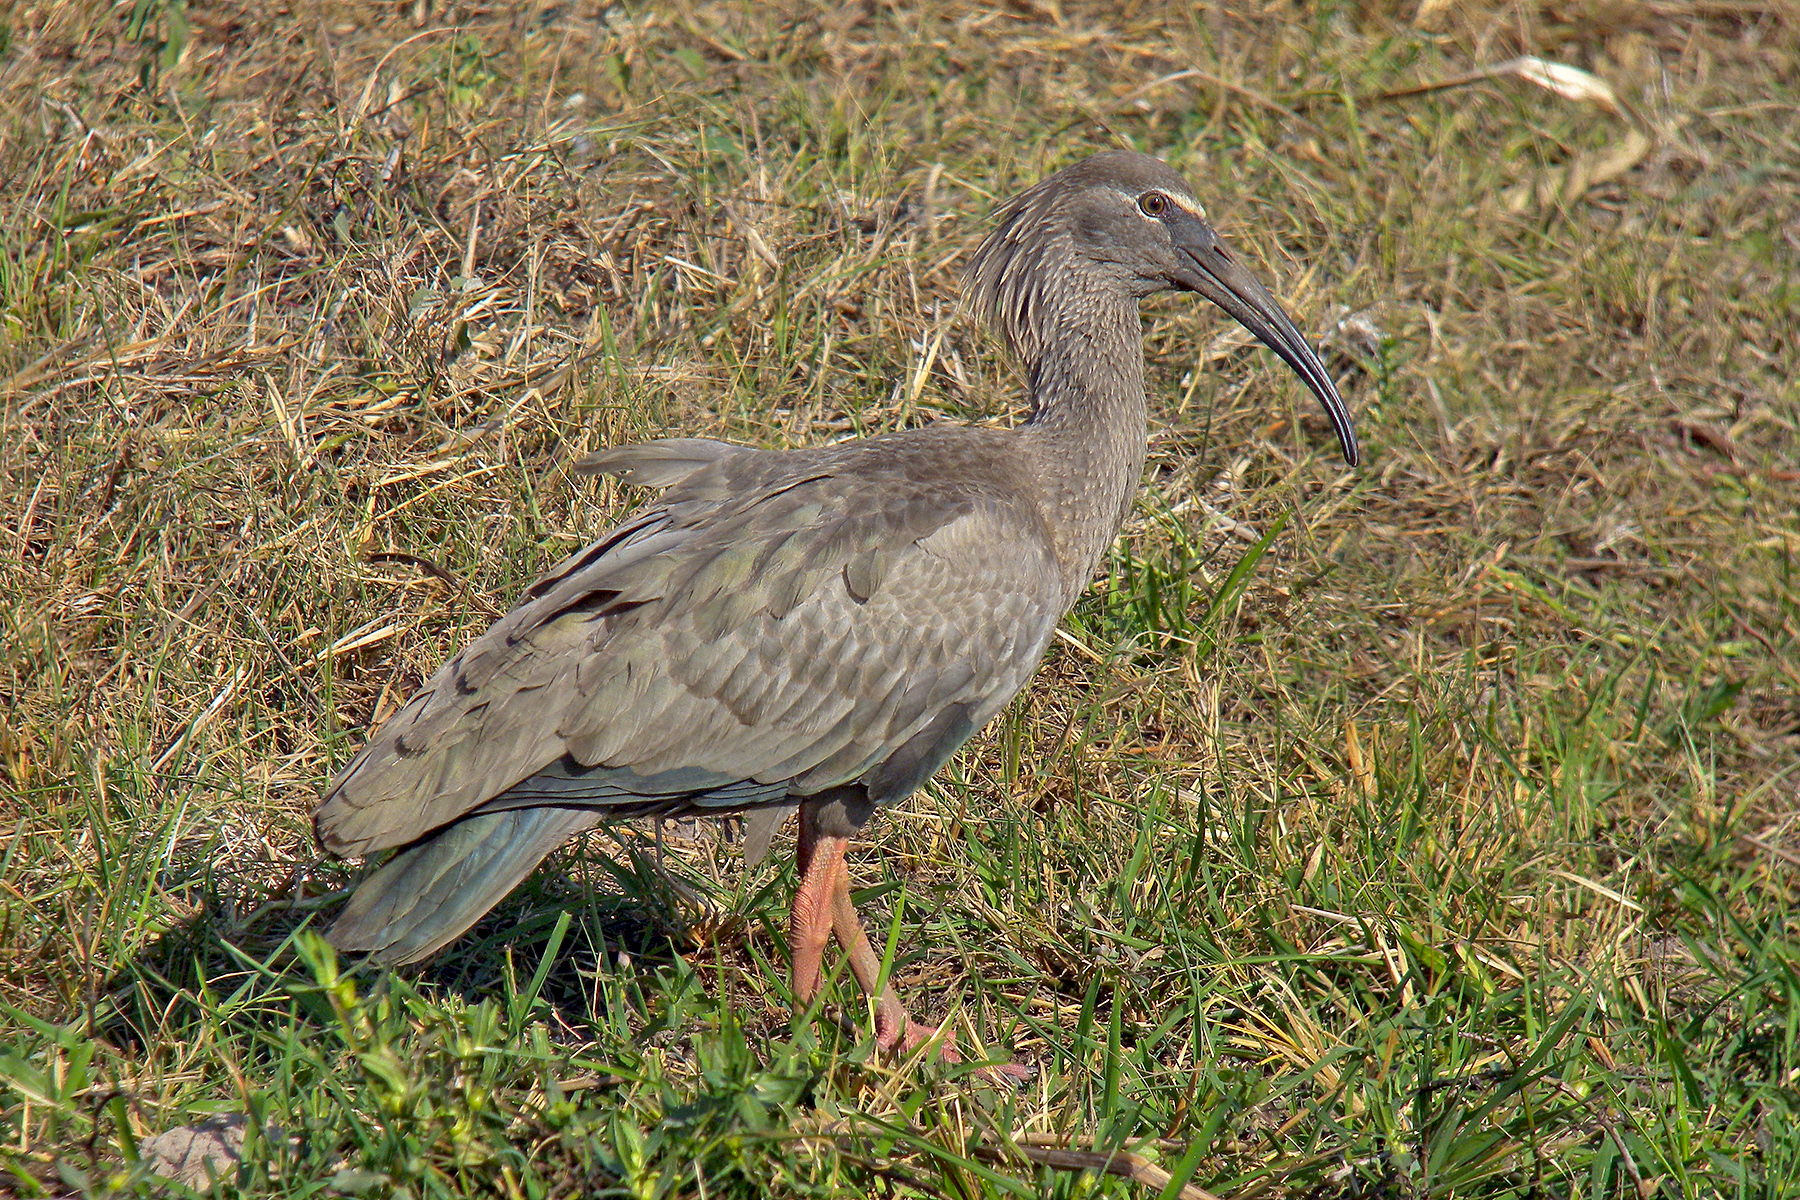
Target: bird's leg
(822,907)
(810,919)
(893,1024)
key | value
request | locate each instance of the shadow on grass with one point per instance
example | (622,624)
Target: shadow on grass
(567,1038)
(589,923)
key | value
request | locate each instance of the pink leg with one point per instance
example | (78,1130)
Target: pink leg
(809,922)
(893,1025)
(822,905)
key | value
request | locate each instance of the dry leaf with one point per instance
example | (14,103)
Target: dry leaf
(1571,83)
(1568,183)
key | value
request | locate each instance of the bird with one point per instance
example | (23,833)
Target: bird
(815,628)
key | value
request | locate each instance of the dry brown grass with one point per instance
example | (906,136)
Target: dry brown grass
(303,309)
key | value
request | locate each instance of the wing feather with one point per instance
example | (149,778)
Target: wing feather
(777,625)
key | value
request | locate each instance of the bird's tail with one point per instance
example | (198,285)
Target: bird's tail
(434,889)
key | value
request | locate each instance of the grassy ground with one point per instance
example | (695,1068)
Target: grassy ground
(1424,829)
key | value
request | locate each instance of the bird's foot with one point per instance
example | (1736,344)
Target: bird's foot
(908,1036)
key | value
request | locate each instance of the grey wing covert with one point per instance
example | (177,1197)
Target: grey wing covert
(761,634)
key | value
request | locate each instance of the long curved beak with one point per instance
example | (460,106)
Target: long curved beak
(1219,277)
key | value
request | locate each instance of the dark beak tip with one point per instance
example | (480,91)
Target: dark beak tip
(1227,284)
(1346,431)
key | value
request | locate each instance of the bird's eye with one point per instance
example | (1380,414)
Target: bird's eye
(1153,204)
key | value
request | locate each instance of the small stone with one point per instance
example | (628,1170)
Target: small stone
(196,1155)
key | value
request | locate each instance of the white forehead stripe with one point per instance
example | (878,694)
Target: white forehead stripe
(1190,207)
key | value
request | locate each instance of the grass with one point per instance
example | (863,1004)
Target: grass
(1421,830)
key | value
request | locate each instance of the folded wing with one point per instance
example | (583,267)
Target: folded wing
(776,626)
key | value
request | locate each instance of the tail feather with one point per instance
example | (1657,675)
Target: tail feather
(434,889)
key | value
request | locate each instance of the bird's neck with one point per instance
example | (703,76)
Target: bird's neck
(1087,432)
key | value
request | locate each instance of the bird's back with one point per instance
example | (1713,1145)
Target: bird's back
(776,625)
